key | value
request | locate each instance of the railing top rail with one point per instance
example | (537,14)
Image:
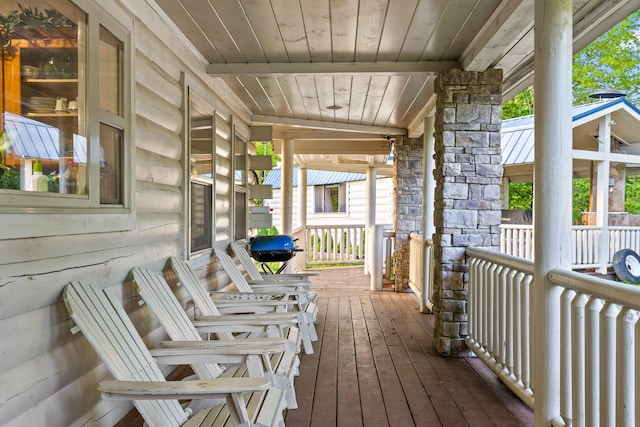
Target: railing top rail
(335,226)
(517,226)
(418,237)
(615,292)
(520,264)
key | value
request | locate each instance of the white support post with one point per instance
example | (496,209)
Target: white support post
(302,197)
(286,218)
(370,197)
(553,24)
(428,202)
(376,251)
(602,191)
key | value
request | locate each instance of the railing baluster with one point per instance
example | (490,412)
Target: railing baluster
(608,316)
(625,367)
(592,361)
(566,353)
(578,342)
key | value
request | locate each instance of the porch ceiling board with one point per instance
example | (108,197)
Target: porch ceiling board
(291,59)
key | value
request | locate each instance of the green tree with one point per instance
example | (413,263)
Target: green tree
(519,106)
(521,195)
(612,61)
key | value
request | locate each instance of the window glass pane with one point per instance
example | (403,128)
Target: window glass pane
(43,146)
(241,160)
(200,230)
(111,147)
(201,167)
(241,216)
(110,72)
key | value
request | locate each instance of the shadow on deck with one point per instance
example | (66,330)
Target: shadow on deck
(375,364)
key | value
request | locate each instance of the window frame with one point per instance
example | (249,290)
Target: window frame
(322,189)
(82,213)
(192,92)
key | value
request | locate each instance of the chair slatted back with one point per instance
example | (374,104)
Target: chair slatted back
(108,328)
(244,258)
(158,296)
(232,270)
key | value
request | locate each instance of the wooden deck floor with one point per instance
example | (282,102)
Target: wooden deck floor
(375,365)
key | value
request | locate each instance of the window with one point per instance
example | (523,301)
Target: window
(65,122)
(200,165)
(330,198)
(240,187)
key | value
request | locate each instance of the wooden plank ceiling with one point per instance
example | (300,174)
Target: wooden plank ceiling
(366,65)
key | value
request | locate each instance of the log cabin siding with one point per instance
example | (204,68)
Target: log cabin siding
(356,205)
(48,375)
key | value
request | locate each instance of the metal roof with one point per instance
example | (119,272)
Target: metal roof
(314,177)
(518,134)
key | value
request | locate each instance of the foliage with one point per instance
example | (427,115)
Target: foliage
(581,195)
(632,195)
(519,106)
(273,231)
(611,61)
(10,179)
(521,195)
(28,23)
(266,149)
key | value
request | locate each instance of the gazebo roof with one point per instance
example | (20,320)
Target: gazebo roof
(518,135)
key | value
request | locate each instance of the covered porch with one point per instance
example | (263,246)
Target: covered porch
(375,364)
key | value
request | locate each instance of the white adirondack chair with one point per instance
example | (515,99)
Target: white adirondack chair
(264,357)
(245,302)
(300,290)
(105,324)
(240,251)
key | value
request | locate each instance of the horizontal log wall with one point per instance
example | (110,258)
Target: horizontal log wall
(49,376)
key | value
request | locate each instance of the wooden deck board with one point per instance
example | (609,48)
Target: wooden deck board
(375,365)
(390,373)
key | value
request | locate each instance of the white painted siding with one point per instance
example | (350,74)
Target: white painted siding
(49,376)
(356,209)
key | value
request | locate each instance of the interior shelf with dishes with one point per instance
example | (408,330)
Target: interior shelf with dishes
(42,79)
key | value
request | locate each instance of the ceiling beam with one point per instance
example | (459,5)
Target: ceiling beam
(507,24)
(318,134)
(259,119)
(338,147)
(330,68)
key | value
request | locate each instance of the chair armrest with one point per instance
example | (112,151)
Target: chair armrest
(201,389)
(226,343)
(189,353)
(247,296)
(259,318)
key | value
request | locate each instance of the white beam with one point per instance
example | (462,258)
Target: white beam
(612,157)
(319,124)
(552,190)
(340,146)
(330,68)
(507,24)
(416,127)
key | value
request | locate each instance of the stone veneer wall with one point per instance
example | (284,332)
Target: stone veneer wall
(467,196)
(408,192)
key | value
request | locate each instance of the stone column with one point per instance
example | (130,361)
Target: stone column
(408,192)
(467,200)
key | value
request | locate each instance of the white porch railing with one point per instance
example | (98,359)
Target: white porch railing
(421,270)
(600,337)
(517,240)
(330,244)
